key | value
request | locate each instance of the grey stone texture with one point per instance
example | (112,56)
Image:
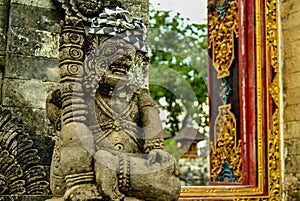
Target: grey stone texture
(31,51)
(28,67)
(33,93)
(48,4)
(30,42)
(29,34)
(290,13)
(3,15)
(2,41)
(40,18)
(3,25)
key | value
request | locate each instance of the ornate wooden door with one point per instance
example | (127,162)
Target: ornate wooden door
(244,89)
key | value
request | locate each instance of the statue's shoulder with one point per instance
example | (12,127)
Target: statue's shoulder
(145,99)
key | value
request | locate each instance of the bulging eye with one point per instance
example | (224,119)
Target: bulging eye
(110,51)
(130,54)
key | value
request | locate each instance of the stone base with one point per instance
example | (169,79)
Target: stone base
(25,198)
(56,199)
(62,199)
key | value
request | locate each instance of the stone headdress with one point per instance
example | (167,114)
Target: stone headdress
(117,22)
(121,23)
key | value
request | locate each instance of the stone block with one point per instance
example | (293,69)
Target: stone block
(3,16)
(37,125)
(292,49)
(2,67)
(291,34)
(37,3)
(291,65)
(293,96)
(292,164)
(291,113)
(36,18)
(292,146)
(29,67)
(4,2)
(26,93)
(291,81)
(31,42)
(291,130)
(290,16)
(2,41)
(292,187)
(289,7)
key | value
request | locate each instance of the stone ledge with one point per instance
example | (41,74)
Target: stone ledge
(36,3)
(32,42)
(26,93)
(40,18)
(3,15)
(29,67)
(2,40)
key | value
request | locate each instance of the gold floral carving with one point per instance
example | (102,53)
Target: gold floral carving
(275,90)
(274,158)
(272,32)
(226,147)
(222,33)
(274,148)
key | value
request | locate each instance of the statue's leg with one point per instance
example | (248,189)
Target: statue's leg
(76,162)
(155,182)
(57,183)
(106,170)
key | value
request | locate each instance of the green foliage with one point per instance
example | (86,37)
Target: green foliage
(178,74)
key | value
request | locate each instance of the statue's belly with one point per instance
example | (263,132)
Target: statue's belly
(122,141)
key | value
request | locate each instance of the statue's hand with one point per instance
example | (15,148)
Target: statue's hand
(161,156)
(158,156)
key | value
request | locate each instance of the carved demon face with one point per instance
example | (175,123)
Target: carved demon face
(120,59)
(120,55)
(116,62)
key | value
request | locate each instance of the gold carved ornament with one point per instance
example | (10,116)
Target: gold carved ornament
(223,29)
(222,33)
(274,138)
(226,148)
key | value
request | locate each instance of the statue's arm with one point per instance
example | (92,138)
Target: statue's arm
(151,123)
(53,108)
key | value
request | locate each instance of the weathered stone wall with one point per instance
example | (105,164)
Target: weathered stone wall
(4,5)
(31,60)
(290,15)
(29,33)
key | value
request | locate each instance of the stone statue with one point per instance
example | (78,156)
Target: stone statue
(110,145)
